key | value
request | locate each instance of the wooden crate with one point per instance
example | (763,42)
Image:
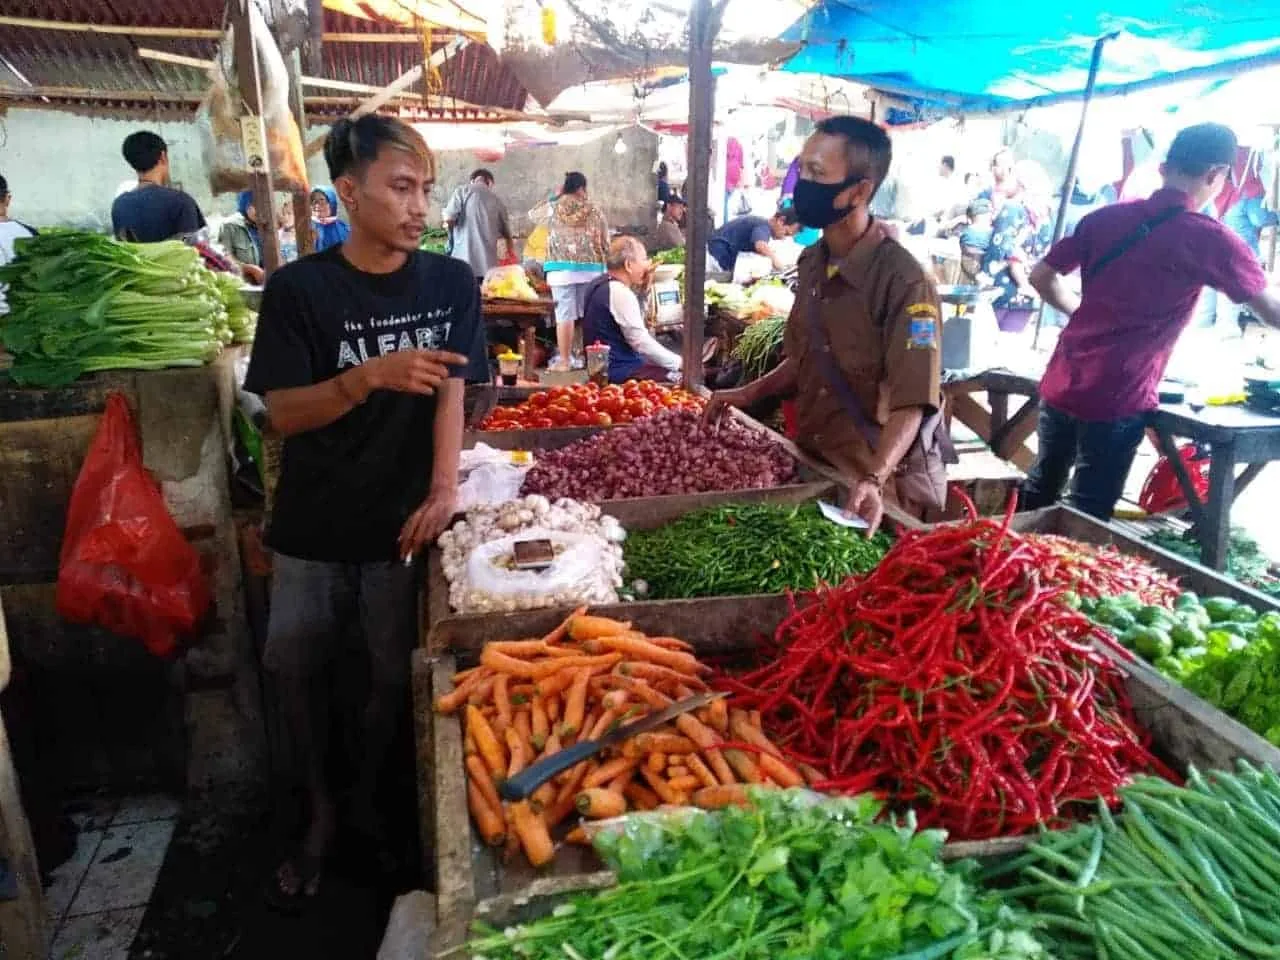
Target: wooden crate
(1186,731)
(639,513)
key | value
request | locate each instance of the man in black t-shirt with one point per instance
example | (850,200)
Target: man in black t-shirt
(152,211)
(361,353)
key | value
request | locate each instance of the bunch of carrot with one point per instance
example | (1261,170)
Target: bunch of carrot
(529,699)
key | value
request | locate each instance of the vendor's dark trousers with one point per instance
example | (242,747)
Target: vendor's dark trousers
(1101,451)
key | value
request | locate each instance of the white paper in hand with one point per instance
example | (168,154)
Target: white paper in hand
(836,515)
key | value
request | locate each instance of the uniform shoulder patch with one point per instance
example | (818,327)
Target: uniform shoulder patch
(923,309)
(922,333)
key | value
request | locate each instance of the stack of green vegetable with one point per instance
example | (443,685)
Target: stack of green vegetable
(759,347)
(1181,874)
(1245,560)
(790,877)
(672,257)
(80,302)
(435,240)
(746,548)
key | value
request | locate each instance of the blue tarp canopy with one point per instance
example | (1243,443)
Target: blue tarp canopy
(966,55)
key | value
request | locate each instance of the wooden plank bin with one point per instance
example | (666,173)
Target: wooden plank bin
(1186,731)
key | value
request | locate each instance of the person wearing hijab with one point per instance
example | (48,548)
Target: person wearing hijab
(239,237)
(330,231)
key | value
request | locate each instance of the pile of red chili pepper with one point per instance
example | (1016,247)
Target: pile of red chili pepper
(953,680)
(1097,571)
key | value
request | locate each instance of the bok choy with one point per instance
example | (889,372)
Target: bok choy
(80,302)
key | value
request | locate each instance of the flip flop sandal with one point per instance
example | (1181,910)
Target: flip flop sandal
(307,869)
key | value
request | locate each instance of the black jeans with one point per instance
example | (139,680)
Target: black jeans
(1101,451)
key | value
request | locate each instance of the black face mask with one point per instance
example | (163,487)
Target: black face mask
(815,202)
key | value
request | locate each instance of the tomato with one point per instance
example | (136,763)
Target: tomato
(558,392)
(622,417)
(560,416)
(612,390)
(538,400)
(639,408)
(582,402)
(603,420)
(541,423)
(583,419)
(609,403)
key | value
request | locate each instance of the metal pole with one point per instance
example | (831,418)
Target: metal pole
(703,21)
(1068,185)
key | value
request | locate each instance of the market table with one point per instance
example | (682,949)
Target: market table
(525,314)
(1006,435)
(1234,435)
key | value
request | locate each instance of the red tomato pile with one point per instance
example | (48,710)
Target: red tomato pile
(587,405)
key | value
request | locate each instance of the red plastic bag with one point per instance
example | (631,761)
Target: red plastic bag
(124,565)
(1161,493)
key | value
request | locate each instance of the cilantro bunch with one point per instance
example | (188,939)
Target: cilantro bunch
(793,877)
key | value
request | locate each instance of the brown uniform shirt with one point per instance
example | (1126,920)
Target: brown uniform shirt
(883,325)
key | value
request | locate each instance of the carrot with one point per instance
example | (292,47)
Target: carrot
(487,744)
(743,729)
(449,702)
(621,780)
(518,751)
(478,773)
(589,724)
(701,770)
(811,774)
(636,647)
(553,706)
(543,797)
(614,699)
(700,734)
(564,802)
(660,786)
(657,762)
(644,692)
(719,711)
(630,750)
(757,719)
(518,648)
(600,804)
(533,834)
(574,705)
(656,673)
(610,770)
(578,835)
(725,795)
(743,766)
(685,784)
(552,746)
(602,725)
(540,726)
(521,693)
(683,692)
(665,743)
(781,774)
(585,627)
(671,643)
(558,634)
(469,745)
(504,663)
(488,819)
(462,675)
(512,846)
(554,684)
(640,796)
(502,700)
(676,770)
(483,691)
(524,727)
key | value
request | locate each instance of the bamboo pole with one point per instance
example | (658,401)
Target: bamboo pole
(1068,184)
(303,230)
(201,33)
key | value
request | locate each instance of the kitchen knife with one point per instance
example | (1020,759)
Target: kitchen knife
(531,778)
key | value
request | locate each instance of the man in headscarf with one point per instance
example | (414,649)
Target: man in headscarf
(239,237)
(330,231)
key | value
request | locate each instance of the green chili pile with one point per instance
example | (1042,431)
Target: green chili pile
(785,879)
(758,347)
(1181,873)
(747,548)
(81,302)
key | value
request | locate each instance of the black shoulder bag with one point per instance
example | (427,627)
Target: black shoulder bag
(1129,242)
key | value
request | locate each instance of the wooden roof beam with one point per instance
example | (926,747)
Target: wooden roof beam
(201,33)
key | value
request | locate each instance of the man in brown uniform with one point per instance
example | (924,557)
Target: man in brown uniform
(862,342)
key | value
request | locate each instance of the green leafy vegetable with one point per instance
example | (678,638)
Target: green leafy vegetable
(759,346)
(791,878)
(748,548)
(80,302)
(669,257)
(1245,560)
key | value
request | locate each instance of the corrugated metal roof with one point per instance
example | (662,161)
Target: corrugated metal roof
(104,73)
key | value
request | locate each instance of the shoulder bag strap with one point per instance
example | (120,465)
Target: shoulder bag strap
(820,346)
(1129,242)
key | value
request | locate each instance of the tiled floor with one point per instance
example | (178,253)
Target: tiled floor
(97,898)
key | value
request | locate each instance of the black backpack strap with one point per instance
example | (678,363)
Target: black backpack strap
(1129,242)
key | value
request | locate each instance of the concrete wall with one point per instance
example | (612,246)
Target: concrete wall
(64,169)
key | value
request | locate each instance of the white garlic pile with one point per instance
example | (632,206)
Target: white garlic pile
(489,522)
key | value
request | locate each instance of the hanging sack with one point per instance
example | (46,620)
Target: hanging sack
(124,565)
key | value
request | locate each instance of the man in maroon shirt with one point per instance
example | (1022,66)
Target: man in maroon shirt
(1143,265)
